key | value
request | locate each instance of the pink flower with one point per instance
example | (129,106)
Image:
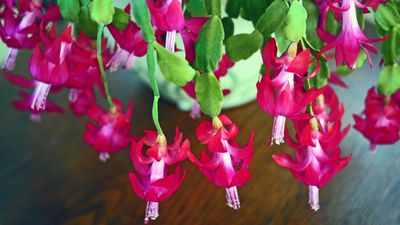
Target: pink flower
(48,65)
(110,131)
(18,30)
(351,39)
(83,66)
(81,100)
(317,158)
(19,26)
(280,97)
(380,121)
(130,44)
(152,181)
(227,167)
(25,101)
(167,15)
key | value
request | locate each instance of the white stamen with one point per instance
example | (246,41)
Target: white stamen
(9,62)
(73,95)
(104,156)
(129,64)
(151,211)
(40,96)
(313,197)
(278,130)
(170,40)
(232,198)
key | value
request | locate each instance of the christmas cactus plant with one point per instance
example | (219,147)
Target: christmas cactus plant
(305,46)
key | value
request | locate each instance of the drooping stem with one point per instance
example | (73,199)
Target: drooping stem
(151,65)
(102,71)
(307,86)
(313,121)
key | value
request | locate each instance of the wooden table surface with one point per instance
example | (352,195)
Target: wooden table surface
(49,176)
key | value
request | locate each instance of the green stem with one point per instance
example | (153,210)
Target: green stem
(151,65)
(307,86)
(101,66)
(313,121)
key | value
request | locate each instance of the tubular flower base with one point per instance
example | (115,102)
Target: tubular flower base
(151,181)
(219,168)
(110,132)
(380,121)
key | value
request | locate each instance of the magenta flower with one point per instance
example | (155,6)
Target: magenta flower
(24,104)
(130,44)
(18,30)
(48,65)
(19,26)
(25,101)
(317,158)
(227,167)
(167,15)
(110,131)
(83,66)
(351,39)
(280,97)
(81,100)
(380,121)
(152,181)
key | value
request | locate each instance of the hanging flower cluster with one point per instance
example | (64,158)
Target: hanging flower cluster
(380,121)
(318,156)
(219,168)
(152,182)
(296,41)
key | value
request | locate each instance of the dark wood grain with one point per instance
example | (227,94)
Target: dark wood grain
(48,176)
